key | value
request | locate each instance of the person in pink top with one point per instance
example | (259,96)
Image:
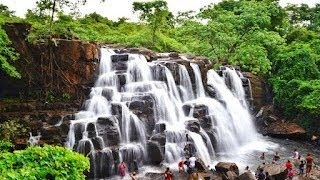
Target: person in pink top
(122,169)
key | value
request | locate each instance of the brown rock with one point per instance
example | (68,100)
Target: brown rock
(247,176)
(224,167)
(232,175)
(260,92)
(275,171)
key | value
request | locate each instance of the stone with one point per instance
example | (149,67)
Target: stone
(275,171)
(211,91)
(200,110)
(108,130)
(91,130)
(78,131)
(245,81)
(174,55)
(120,66)
(54,120)
(160,138)
(193,125)
(160,127)
(269,123)
(247,176)
(108,93)
(155,156)
(232,175)
(206,121)
(261,93)
(224,167)
(102,168)
(119,57)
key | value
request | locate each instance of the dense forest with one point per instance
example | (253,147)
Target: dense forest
(281,44)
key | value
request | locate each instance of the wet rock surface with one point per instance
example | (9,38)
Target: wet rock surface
(272,125)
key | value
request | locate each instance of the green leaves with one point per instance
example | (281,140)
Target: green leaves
(7,54)
(43,162)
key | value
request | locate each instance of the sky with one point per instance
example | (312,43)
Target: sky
(114,9)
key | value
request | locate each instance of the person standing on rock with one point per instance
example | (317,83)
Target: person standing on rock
(301,167)
(261,175)
(262,156)
(180,166)
(290,174)
(276,158)
(309,160)
(122,169)
(288,165)
(296,157)
(192,162)
(168,174)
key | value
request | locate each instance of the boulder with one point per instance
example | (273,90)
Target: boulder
(160,138)
(275,171)
(247,176)
(224,167)
(160,127)
(272,125)
(232,175)
(174,55)
(155,156)
(260,91)
(119,57)
(193,125)
(107,128)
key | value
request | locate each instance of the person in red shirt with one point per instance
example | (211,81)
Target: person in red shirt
(309,160)
(168,174)
(180,166)
(288,165)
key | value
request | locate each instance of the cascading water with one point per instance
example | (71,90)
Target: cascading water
(139,108)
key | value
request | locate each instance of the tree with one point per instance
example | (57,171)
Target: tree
(4,10)
(156,14)
(236,32)
(7,53)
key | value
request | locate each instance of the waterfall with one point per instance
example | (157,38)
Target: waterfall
(137,108)
(198,80)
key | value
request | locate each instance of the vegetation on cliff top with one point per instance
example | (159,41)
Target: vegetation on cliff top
(280,43)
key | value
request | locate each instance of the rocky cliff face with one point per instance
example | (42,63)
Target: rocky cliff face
(66,68)
(67,78)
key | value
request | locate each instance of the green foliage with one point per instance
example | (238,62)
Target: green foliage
(156,14)
(296,61)
(5,146)
(11,129)
(7,53)
(48,162)
(236,32)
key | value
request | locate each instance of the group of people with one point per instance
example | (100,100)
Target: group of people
(297,161)
(190,164)
(300,163)
(122,171)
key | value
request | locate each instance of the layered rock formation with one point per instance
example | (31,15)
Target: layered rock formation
(68,67)
(272,125)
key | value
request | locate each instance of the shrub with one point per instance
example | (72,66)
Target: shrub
(48,162)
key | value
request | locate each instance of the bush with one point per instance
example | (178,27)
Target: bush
(5,146)
(48,162)
(11,129)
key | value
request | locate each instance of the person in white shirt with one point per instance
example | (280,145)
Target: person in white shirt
(295,154)
(192,162)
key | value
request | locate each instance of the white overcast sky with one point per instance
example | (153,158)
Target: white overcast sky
(114,9)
